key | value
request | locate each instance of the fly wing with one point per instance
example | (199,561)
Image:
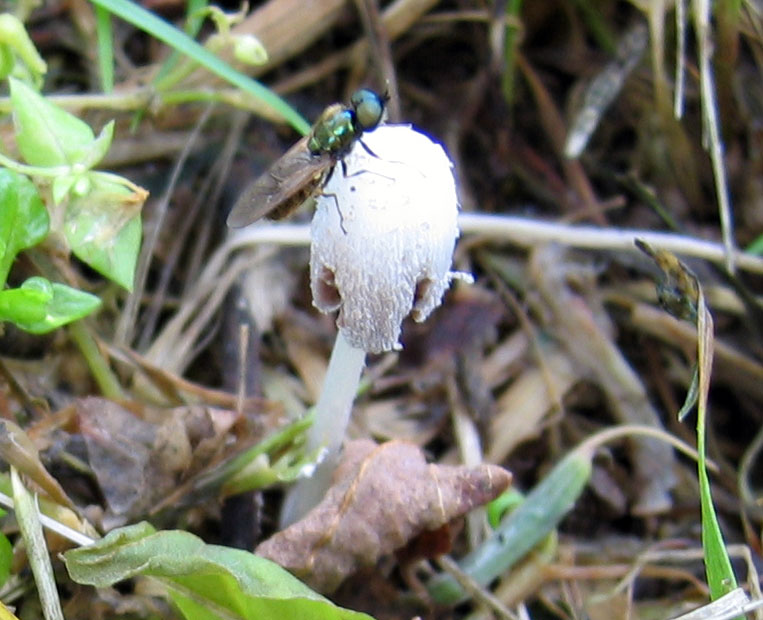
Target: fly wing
(284,187)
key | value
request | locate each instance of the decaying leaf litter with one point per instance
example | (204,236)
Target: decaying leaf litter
(553,343)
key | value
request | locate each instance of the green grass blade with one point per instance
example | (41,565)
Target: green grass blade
(720,576)
(158,28)
(192,27)
(105,38)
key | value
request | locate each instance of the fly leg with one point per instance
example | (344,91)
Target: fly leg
(367,149)
(338,210)
(346,175)
(332,195)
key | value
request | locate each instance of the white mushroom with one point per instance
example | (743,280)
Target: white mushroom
(382,244)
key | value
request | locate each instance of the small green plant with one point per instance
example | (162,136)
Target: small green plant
(680,293)
(97,214)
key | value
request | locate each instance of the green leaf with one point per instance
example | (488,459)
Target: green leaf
(720,574)
(25,307)
(691,396)
(99,147)
(103,228)
(39,306)
(24,220)
(204,581)
(46,134)
(62,185)
(6,557)
(15,42)
(6,61)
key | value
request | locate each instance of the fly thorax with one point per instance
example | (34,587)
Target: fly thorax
(333,133)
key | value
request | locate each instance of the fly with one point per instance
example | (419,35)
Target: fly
(307,166)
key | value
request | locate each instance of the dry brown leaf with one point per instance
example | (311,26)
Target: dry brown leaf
(138,461)
(18,450)
(382,497)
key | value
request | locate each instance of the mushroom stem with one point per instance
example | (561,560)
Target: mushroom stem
(332,415)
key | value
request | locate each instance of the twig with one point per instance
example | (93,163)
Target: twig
(701,10)
(528,232)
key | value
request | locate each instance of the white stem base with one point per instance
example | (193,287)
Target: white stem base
(332,414)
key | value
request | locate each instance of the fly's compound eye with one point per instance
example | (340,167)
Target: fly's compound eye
(368,107)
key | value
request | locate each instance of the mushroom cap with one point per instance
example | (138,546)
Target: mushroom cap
(383,235)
